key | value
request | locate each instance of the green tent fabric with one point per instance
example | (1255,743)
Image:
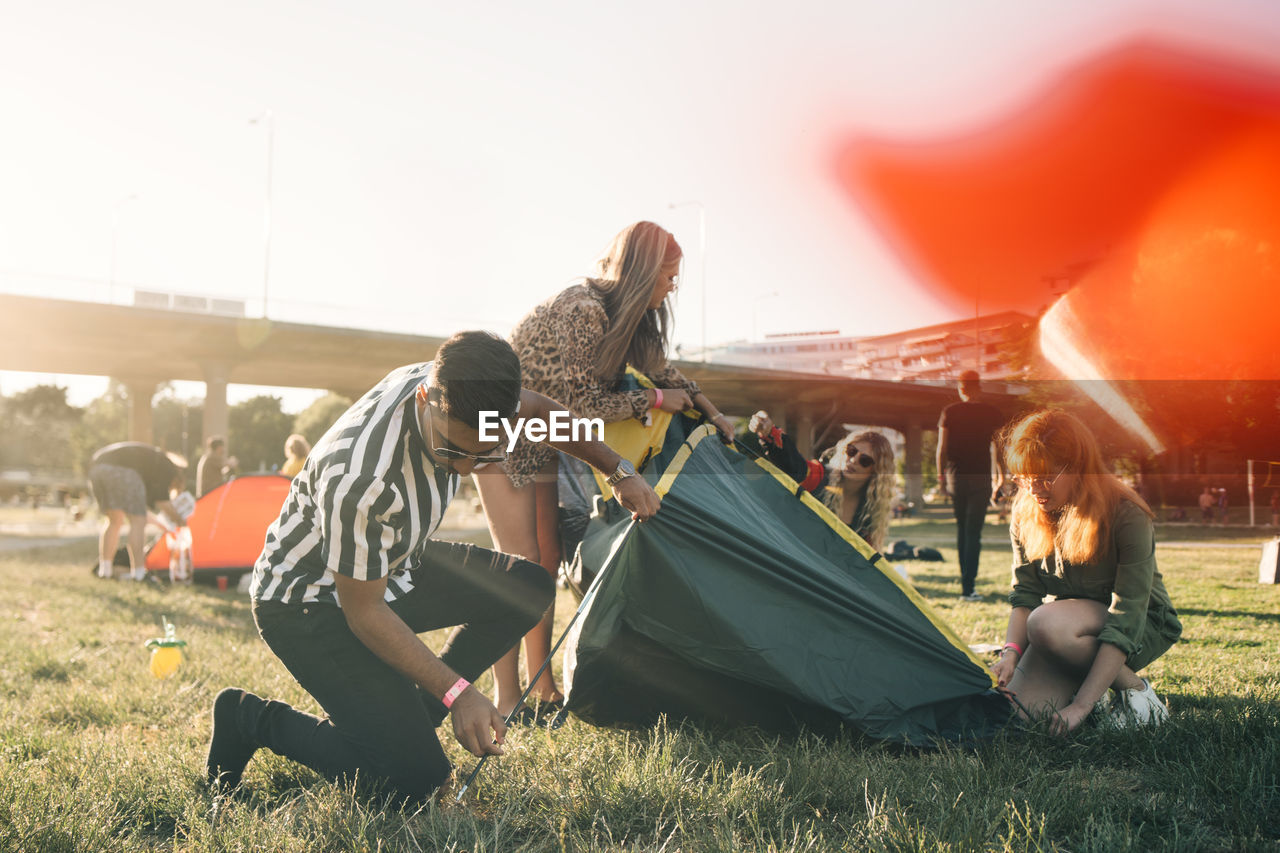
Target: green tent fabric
(745,602)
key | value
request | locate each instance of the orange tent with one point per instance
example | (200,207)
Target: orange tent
(228,526)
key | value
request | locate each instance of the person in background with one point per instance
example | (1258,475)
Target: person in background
(1275,507)
(127,478)
(211,470)
(857,482)
(1083,537)
(1207,501)
(965,433)
(296,449)
(575,348)
(350,575)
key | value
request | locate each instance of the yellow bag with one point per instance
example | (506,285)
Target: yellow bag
(633,440)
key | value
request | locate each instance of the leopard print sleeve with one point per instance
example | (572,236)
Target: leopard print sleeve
(578,326)
(669,377)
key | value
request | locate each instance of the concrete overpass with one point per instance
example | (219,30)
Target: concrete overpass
(143,347)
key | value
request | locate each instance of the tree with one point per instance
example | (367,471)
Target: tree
(257,432)
(178,424)
(313,421)
(105,421)
(37,425)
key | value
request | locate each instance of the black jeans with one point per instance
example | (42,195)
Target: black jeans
(380,727)
(970,496)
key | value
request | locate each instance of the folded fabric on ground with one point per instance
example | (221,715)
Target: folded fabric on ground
(746,601)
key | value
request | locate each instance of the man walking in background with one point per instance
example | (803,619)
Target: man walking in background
(211,470)
(965,450)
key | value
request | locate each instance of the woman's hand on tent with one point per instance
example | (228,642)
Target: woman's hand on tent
(637,495)
(761,424)
(675,400)
(1004,667)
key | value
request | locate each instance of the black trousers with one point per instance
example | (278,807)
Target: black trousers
(970,496)
(379,726)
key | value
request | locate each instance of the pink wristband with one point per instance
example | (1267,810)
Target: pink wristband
(657,398)
(458,686)
(1017,648)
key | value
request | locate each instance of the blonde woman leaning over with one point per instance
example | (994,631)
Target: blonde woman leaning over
(1083,537)
(574,348)
(857,482)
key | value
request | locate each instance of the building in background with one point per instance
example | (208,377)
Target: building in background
(935,354)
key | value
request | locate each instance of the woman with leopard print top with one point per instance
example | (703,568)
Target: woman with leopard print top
(574,348)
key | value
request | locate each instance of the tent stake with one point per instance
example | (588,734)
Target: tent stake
(586,599)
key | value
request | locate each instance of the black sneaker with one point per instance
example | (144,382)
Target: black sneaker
(229,748)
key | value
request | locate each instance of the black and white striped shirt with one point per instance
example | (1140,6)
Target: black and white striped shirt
(364,504)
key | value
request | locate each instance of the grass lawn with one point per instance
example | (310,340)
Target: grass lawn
(97,755)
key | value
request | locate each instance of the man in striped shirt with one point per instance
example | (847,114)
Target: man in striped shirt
(349,576)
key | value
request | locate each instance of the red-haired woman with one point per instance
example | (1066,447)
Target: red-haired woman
(1083,537)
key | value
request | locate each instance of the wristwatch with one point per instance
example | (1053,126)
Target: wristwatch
(624,470)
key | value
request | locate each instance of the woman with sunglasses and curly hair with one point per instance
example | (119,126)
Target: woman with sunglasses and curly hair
(575,348)
(1086,539)
(856,482)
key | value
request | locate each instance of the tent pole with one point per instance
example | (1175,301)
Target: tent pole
(586,599)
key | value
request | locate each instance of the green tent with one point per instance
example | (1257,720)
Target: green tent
(745,600)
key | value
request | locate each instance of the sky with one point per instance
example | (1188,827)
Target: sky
(439,166)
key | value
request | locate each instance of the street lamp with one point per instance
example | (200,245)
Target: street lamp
(267,118)
(702,253)
(115,233)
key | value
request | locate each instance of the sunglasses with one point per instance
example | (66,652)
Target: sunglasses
(863,460)
(448,450)
(1032,484)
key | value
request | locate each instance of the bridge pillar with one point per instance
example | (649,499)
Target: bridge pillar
(913,462)
(140,423)
(215,419)
(803,433)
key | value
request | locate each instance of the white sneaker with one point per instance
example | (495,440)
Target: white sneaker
(1139,707)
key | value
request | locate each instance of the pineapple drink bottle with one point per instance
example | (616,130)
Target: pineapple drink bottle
(166,652)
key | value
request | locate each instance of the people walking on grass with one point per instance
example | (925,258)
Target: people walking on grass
(856,482)
(1084,537)
(575,348)
(350,575)
(965,433)
(127,478)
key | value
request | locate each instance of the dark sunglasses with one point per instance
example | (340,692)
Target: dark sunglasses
(450,450)
(864,460)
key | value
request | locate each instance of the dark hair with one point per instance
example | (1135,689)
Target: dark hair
(215,441)
(970,377)
(477,372)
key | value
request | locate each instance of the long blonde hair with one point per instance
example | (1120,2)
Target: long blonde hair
(1047,442)
(877,492)
(637,335)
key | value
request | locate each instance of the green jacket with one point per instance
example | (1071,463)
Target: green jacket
(1125,578)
